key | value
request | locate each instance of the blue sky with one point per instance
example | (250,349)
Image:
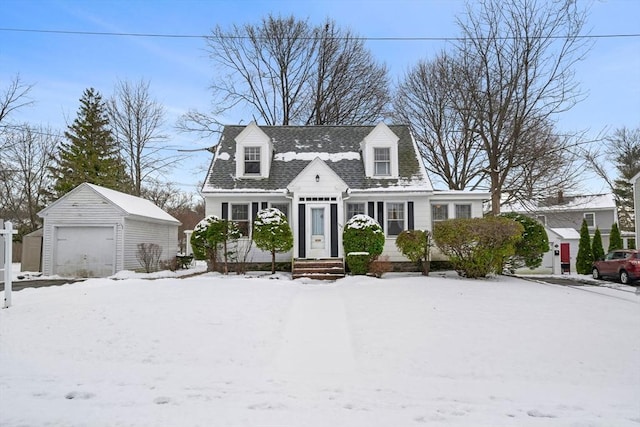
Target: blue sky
(61,66)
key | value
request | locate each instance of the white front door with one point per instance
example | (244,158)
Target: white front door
(318,227)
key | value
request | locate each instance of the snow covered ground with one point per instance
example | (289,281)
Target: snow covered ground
(257,351)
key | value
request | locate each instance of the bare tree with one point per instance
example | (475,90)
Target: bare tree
(348,85)
(286,71)
(266,67)
(24,174)
(15,96)
(620,154)
(525,51)
(434,102)
(137,121)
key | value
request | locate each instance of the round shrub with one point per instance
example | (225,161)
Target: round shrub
(362,234)
(416,245)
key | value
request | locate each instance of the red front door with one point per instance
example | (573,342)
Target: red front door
(565,257)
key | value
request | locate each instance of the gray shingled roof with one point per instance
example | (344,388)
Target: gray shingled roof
(313,139)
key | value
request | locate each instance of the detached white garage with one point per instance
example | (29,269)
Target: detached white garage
(93,231)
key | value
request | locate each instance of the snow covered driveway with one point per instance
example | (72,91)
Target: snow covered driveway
(400,351)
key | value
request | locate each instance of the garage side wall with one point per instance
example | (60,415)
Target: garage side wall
(140,231)
(83,208)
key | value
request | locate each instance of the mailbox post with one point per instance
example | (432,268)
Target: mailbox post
(6,241)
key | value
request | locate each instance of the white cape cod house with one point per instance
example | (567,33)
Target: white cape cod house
(320,176)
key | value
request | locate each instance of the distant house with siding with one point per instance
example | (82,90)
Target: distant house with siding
(93,231)
(563,215)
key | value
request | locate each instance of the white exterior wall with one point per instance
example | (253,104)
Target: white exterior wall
(308,187)
(213,206)
(144,231)
(82,208)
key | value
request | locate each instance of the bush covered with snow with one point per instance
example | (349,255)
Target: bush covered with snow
(362,234)
(211,235)
(271,232)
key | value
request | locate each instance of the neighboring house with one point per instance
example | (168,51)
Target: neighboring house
(562,216)
(93,231)
(320,176)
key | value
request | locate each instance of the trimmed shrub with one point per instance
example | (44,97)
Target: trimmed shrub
(597,250)
(477,247)
(362,234)
(532,245)
(584,259)
(210,236)
(416,245)
(358,262)
(271,232)
(615,238)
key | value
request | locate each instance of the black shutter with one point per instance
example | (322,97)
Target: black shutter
(265,205)
(410,224)
(371,209)
(254,213)
(334,230)
(381,214)
(302,253)
(225,210)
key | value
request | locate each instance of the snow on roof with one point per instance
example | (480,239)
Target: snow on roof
(132,205)
(309,156)
(568,203)
(566,233)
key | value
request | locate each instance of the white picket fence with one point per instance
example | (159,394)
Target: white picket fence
(6,248)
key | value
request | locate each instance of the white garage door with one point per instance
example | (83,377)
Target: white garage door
(84,251)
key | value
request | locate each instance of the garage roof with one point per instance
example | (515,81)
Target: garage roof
(130,205)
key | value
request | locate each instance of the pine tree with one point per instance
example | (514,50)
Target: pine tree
(91,153)
(615,239)
(596,246)
(584,260)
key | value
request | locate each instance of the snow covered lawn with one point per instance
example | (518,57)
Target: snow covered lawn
(398,351)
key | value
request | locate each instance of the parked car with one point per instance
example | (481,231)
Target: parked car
(621,264)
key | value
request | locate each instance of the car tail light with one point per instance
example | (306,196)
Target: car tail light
(635,263)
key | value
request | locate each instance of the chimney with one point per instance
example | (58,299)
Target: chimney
(560,197)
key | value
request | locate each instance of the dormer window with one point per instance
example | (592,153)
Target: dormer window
(253,153)
(252,160)
(382,161)
(380,153)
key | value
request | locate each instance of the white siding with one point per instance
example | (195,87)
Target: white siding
(140,231)
(81,208)
(213,206)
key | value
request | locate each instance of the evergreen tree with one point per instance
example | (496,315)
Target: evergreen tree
(584,260)
(596,246)
(615,239)
(90,153)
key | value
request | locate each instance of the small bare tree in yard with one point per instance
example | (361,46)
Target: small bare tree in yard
(148,256)
(520,56)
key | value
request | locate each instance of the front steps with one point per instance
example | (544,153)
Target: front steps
(321,269)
